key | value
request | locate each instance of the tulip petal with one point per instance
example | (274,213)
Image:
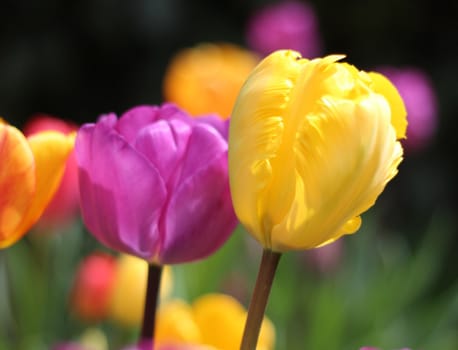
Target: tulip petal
(255,136)
(121,191)
(219,124)
(176,324)
(363,152)
(221,319)
(17,182)
(50,151)
(201,204)
(384,87)
(139,117)
(164,144)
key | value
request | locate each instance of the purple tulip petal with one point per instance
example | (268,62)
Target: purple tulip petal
(164,144)
(139,117)
(135,119)
(200,216)
(219,124)
(122,194)
(204,145)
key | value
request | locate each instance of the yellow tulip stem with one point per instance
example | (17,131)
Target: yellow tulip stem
(259,299)
(152,293)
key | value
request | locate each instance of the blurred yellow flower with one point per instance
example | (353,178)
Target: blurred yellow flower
(215,320)
(94,339)
(312,145)
(127,299)
(31,172)
(207,78)
(176,325)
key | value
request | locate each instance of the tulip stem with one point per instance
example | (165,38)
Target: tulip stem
(152,292)
(258,302)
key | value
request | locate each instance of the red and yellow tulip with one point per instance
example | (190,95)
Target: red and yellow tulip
(30,174)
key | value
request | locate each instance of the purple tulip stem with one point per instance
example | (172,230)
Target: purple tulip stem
(266,274)
(152,293)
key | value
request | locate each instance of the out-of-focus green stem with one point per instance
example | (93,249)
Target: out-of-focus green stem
(259,299)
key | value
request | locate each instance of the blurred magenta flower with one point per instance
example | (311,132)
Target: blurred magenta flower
(420,100)
(285,25)
(65,203)
(154,183)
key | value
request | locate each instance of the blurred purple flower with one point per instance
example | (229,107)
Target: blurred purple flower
(285,25)
(327,258)
(154,183)
(420,100)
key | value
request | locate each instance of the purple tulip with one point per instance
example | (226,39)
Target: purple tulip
(154,183)
(420,100)
(285,25)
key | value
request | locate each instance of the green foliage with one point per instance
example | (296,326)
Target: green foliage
(383,293)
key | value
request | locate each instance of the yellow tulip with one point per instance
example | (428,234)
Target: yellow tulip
(214,320)
(176,325)
(221,319)
(31,172)
(127,300)
(207,78)
(312,144)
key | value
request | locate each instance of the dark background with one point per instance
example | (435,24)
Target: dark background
(78,59)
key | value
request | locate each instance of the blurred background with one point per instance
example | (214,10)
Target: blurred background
(392,285)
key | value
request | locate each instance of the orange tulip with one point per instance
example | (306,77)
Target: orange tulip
(30,174)
(207,78)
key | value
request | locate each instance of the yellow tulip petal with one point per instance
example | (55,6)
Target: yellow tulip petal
(221,320)
(255,137)
(337,181)
(50,151)
(128,296)
(176,325)
(384,87)
(266,340)
(17,182)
